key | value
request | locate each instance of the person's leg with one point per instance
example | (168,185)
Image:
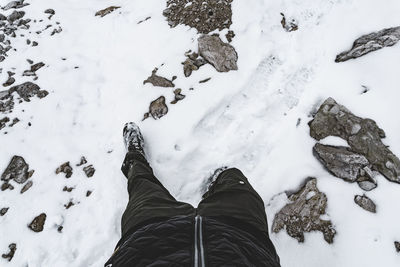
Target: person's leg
(231,195)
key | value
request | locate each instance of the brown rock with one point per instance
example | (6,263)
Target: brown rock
(65,168)
(88,193)
(10,255)
(89,170)
(37,224)
(69,205)
(156,80)
(26,187)
(157,108)
(67,189)
(178,96)
(17,170)
(106,11)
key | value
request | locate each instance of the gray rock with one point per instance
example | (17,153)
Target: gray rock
(106,11)
(10,254)
(15,16)
(10,81)
(303,213)
(203,15)
(26,187)
(37,66)
(37,224)
(2,17)
(65,168)
(371,42)
(50,11)
(230,35)
(68,189)
(6,106)
(6,186)
(69,204)
(17,170)
(178,96)
(89,170)
(3,211)
(366,181)
(157,109)
(219,54)
(397,246)
(363,136)
(156,80)
(82,162)
(28,90)
(3,122)
(365,203)
(15,4)
(192,63)
(340,161)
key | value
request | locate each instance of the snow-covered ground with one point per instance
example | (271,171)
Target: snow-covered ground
(245,118)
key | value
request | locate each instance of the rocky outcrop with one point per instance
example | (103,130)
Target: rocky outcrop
(363,135)
(371,42)
(38,223)
(203,15)
(17,170)
(106,11)
(365,202)
(157,109)
(303,213)
(156,80)
(10,255)
(221,55)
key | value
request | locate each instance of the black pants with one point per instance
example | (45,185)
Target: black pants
(231,195)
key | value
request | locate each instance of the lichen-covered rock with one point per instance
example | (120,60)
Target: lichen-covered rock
(397,246)
(26,187)
(37,224)
(106,11)
(365,203)
(65,168)
(203,15)
(10,255)
(17,170)
(156,80)
(157,108)
(3,211)
(178,96)
(219,54)
(340,161)
(303,213)
(363,136)
(371,42)
(89,170)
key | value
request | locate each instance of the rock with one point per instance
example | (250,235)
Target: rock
(157,108)
(156,80)
(15,4)
(26,187)
(3,211)
(15,121)
(58,30)
(371,42)
(143,20)
(89,170)
(178,96)
(3,122)
(34,43)
(17,170)
(37,224)
(2,17)
(363,136)
(50,11)
(88,193)
(397,246)
(106,11)
(366,181)
(205,80)
(6,186)
(203,15)
(60,228)
(219,54)
(340,161)
(10,255)
(28,90)
(9,81)
(193,62)
(365,203)
(67,189)
(303,213)
(65,168)
(37,66)
(82,162)
(15,16)
(289,26)
(230,35)
(69,205)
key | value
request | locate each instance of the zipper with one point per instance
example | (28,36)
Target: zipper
(198,242)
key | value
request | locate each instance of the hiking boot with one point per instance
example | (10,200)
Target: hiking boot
(133,138)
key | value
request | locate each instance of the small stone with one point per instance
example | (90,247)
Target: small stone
(15,15)
(58,30)
(88,193)
(219,54)
(17,170)
(50,11)
(229,36)
(10,255)
(397,246)
(29,61)
(14,4)
(89,170)
(65,168)
(6,185)
(82,162)
(60,228)
(67,189)
(26,187)
(34,43)
(157,108)
(156,80)
(3,211)
(106,11)
(178,96)
(37,224)
(365,202)
(2,17)
(37,66)
(9,81)
(289,26)
(205,80)
(69,205)
(15,121)
(3,122)
(141,21)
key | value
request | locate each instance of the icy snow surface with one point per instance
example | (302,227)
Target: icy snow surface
(245,118)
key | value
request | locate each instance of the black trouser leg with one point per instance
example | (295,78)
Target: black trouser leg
(231,195)
(148,198)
